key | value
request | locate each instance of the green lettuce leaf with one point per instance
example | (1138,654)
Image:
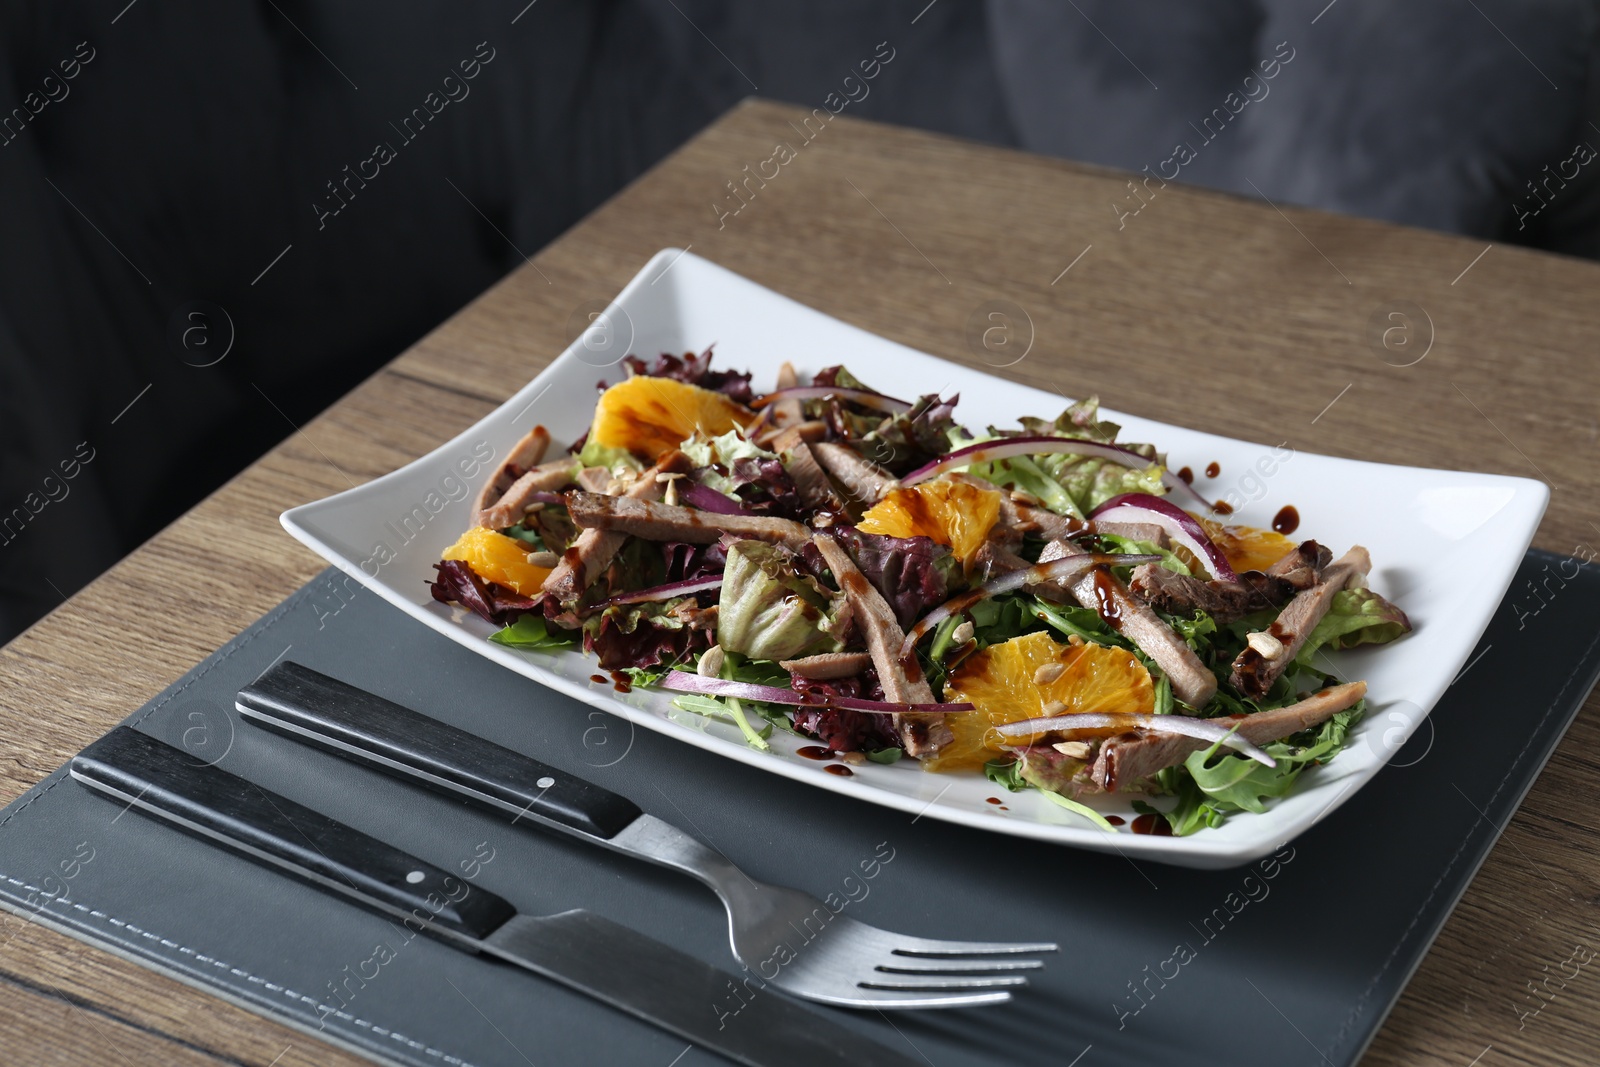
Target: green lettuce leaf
(612,458)
(1356,617)
(769,611)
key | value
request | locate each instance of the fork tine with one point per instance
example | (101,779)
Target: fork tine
(958,965)
(931,947)
(928,982)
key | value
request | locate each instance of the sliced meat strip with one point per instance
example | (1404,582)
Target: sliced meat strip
(1191,681)
(642,517)
(828,665)
(545,478)
(787,412)
(1302,566)
(865,480)
(809,477)
(524,454)
(592,552)
(1126,760)
(1224,601)
(1267,657)
(902,682)
(809,432)
(1133,531)
(594,479)
(993,560)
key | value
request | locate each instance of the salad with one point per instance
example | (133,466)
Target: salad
(1046,605)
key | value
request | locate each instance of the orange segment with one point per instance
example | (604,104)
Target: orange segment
(496,558)
(649,416)
(1000,682)
(952,513)
(1247,548)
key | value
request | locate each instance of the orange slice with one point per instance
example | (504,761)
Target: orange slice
(649,416)
(496,558)
(1002,683)
(952,513)
(1247,548)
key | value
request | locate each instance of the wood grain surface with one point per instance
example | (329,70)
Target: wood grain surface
(1230,315)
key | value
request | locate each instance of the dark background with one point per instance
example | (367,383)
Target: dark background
(165,177)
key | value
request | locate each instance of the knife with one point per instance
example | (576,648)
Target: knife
(612,963)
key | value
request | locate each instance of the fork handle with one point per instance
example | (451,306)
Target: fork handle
(313,708)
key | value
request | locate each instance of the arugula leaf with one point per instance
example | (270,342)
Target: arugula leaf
(1005,771)
(886,755)
(1207,792)
(531,631)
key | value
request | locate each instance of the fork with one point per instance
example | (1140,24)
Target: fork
(782,936)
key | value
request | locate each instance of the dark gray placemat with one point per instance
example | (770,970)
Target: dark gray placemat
(1289,961)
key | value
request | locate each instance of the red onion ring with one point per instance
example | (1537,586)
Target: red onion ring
(1202,729)
(1179,524)
(708,499)
(1056,570)
(865,397)
(1006,447)
(668,591)
(720,687)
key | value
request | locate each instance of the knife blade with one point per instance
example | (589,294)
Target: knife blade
(612,963)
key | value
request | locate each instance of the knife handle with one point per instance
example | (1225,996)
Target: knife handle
(313,708)
(167,783)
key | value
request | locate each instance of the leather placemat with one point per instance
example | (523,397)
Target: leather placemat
(1292,960)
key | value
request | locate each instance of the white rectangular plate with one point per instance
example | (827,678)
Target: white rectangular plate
(1444,544)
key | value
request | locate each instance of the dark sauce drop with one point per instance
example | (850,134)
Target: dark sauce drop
(814,752)
(621,682)
(840,769)
(1186,475)
(602,679)
(1213,469)
(1115,820)
(1287,520)
(1155,825)
(1105,594)
(992,800)
(1222,507)
(1004,808)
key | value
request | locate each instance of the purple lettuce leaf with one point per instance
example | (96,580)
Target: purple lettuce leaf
(910,572)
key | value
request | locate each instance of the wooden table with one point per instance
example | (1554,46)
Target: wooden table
(1229,315)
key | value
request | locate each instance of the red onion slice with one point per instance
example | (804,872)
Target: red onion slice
(865,397)
(708,499)
(1179,524)
(1056,570)
(720,687)
(1006,447)
(1203,729)
(668,591)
